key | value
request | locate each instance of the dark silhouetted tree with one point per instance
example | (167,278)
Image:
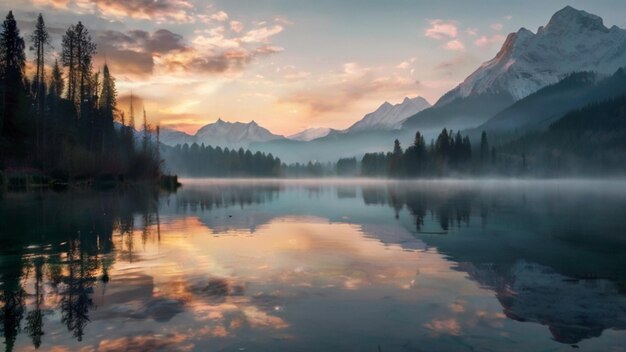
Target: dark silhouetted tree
(12,89)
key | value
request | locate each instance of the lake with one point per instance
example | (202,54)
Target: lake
(317,265)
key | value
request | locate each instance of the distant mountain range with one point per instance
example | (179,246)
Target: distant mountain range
(222,134)
(533,81)
(237,134)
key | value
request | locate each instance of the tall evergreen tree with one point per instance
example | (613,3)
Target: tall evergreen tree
(40,40)
(56,81)
(12,63)
(77,55)
(68,59)
(484,147)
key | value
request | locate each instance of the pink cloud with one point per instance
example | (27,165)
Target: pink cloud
(455,45)
(440,29)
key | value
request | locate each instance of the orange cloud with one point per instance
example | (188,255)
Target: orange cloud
(161,11)
(350,86)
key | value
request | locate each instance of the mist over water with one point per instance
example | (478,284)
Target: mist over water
(309,265)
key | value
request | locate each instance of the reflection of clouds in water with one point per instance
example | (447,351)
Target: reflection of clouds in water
(446,326)
(328,264)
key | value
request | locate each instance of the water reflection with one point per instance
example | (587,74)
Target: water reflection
(289,265)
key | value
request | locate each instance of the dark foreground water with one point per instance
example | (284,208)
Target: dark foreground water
(317,266)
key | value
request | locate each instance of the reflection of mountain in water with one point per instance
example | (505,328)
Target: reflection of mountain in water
(552,256)
(573,309)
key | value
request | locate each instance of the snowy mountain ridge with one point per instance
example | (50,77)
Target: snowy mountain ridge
(572,41)
(390,117)
(221,133)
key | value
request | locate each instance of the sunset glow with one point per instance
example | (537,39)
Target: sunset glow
(289,65)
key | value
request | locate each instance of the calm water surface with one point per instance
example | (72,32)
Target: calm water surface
(317,266)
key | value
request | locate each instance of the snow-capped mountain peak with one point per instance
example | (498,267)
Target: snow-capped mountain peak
(222,133)
(569,19)
(388,116)
(572,41)
(310,134)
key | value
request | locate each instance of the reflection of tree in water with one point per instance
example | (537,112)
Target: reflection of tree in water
(34,318)
(224,196)
(81,251)
(451,209)
(12,296)
(78,287)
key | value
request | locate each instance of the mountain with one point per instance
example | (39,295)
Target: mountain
(572,41)
(310,134)
(221,133)
(390,117)
(537,111)
(172,137)
(590,139)
(235,134)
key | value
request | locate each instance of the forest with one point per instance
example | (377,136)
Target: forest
(205,161)
(61,120)
(450,154)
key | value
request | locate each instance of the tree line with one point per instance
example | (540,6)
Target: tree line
(63,120)
(450,153)
(198,160)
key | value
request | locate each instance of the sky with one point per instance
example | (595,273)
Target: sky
(289,64)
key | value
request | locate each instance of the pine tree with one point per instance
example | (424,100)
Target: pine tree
(484,147)
(108,100)
(40,40)
(131,118)
(68,59)
(77,55)
(146,133)
(12,63)
(56,81)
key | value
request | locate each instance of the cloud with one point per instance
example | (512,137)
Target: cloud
(455,45)
(211,51)
(472,32)
(496,26)
(406,64)
(486,41)
(261,34)
(508,17)
(153,10)
(236,26)
(58,4)
(340,91)
(220,16)
(440,29)
(133,52)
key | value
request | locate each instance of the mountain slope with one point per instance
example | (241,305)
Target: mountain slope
(572,41)
(390,117)
(589,140)
(538,110)
(310,134)
(172,137)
